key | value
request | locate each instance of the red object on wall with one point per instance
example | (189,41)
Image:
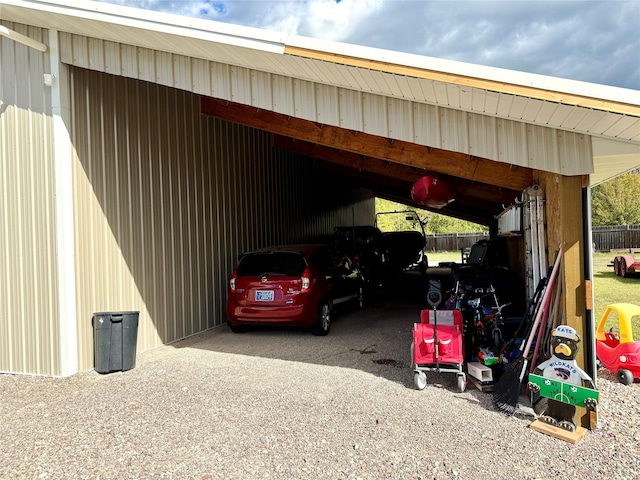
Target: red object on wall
(431,192)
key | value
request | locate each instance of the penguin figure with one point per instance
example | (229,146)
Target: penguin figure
(563,367)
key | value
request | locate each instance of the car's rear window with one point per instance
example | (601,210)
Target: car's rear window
(290,264)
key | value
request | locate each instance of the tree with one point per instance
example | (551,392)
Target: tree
(616,202)
(435,223)
(443,224)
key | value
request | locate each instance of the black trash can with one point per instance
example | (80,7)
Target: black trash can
(115,338)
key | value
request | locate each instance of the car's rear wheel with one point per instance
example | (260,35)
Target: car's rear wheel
(323,320)
(237,328)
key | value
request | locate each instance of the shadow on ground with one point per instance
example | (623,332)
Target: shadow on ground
(376,340)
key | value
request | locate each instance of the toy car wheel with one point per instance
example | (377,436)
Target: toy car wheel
(462,382)
(616,266)
(420,379)
(625,376)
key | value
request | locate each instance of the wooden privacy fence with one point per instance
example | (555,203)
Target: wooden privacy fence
(617,237)
(605,239)
(453,242)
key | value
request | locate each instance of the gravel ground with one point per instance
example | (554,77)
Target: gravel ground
(281,404)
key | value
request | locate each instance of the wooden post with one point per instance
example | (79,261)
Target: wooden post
(564,213)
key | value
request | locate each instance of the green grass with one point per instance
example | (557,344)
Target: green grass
(444,257)
(608,288)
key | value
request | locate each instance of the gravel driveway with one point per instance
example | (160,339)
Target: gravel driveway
(280,404)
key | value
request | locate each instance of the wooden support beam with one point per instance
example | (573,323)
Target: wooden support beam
(564,226)
(461,165)
(464,190)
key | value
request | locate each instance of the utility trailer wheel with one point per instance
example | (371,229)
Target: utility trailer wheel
(420,379)
(623,267)
(462,382)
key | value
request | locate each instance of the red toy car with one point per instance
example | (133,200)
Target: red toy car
(615,348)
(291,285)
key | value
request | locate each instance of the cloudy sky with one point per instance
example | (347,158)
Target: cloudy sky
(592,41)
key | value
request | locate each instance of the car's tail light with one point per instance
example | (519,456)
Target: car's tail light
(306,280)
(232,283)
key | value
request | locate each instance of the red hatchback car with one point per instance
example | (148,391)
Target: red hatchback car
(292,285)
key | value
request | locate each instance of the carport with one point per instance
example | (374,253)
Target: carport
(149,150)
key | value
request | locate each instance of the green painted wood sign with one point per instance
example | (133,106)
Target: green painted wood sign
(563,392)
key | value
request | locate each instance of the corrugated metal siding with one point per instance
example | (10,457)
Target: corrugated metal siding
(377,113)
(168,198)
(28,292)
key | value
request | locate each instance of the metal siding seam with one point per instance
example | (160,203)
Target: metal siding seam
(560,114)
(513,143)
(80,51)
(198,242)
(623,125)
(192,214)
(305,100)
(327,104)
(168,207)
(65,46)
(426,124)
(164,69)
(504,105)
(531,110)
(517,108)
(201,77)
(220,80)
(350,109)
(483,141)
(146,70)
(129,59)
(260,87)
(208,222)
(440,90)
(241,85)
(183,74)
(282,91)
(375,114)
(96,54)
(180,160)
(589,121)
(112,60)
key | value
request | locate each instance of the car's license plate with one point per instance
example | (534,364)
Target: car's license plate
(264,296)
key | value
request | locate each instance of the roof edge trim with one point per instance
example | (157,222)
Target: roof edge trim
(541,87)
(162,22)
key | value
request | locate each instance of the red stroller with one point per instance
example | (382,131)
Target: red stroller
(438,346)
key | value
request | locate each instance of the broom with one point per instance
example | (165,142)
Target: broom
(507,390)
